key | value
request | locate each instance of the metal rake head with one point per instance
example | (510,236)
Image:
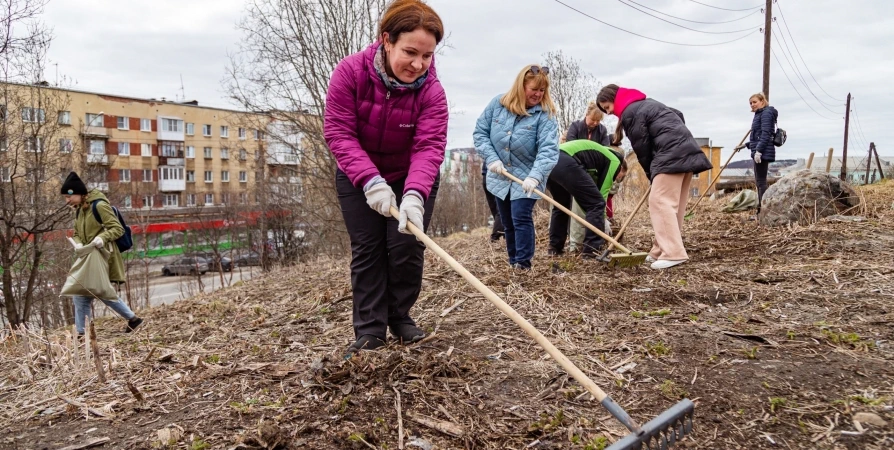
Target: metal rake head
(662,432)
(624,260)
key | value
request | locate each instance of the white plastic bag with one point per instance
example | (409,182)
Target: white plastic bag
(89,275)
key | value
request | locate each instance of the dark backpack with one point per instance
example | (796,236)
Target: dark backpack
(125,242)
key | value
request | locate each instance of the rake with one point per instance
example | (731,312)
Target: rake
(627,221)
(626,259)
(659,433)
(716,177)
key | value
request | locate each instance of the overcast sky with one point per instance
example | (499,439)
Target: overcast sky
(141,48)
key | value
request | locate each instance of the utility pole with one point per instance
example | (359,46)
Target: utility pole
(768,19)
(847,121)
(878,161)
(868,163)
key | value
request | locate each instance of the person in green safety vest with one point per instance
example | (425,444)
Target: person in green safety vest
(585,173)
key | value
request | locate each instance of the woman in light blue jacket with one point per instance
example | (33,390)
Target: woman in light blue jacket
(518,133)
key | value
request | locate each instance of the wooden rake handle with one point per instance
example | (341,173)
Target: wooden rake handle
(541,340)
(717,177)
(632,215)
(574,216)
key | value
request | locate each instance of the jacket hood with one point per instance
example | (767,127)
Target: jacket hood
(94,195)
(369,58)
(624,98)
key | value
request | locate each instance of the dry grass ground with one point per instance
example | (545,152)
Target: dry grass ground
(782,337)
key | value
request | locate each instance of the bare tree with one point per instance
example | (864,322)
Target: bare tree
(571,87)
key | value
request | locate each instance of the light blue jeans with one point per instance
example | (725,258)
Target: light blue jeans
(83,307)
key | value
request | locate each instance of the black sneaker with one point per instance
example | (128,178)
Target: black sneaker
(365,342)
(553,252)
(407,333)
(132,324)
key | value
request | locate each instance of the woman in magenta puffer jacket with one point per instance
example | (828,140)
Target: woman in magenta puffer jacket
(386,124)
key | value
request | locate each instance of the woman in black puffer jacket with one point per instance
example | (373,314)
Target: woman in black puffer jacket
(670,156)
(763,152)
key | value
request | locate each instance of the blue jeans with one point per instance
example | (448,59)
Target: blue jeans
(519,229)
(83,308)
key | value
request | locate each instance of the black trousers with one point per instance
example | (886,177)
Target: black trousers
(570,180)
(760,179)
(498,230)
(386,265)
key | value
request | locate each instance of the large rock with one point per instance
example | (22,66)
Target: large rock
(805,197)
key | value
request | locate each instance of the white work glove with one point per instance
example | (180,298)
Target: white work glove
(608,227)
(379,196)
(97,242)
(529,185)
(757,158)
(496,167)
(411,208)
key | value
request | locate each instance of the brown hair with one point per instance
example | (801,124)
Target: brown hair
(619,135)
(405,16)
(760,97)
(607,95)
(514,100)
(594,112)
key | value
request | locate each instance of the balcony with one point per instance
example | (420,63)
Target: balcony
(103,187)
(100,132)
(167,161)
(171,185)
(98,159)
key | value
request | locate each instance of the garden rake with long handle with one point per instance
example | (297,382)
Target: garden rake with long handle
(659,433)
(716,177)
(626,259)
(627,221)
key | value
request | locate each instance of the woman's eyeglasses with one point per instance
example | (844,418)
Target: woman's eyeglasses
(537,69)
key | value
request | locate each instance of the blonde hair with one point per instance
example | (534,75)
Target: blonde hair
(593,112)
(514,100)
(760,97)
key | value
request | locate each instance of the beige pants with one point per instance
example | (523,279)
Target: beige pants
(576,230)
(667,206)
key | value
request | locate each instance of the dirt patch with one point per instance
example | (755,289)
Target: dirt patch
(780,336)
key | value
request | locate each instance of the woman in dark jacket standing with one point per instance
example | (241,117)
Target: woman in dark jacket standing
(763,152)
(669,155)
(590,128)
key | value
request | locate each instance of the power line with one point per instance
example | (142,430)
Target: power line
(789,31)
(725,9)
(803,80)
(683,26)
(647,37)
(800,78)
(857,121)
(793,86)
(694,21)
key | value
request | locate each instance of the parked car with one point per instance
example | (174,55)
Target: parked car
(248,259)
(215,262)
(186,266)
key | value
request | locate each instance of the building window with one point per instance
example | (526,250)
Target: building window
(170,173)
(190,151)
(128,202)
(123,149)
(224,153)
(171,149)
(3,144)
(147,175)
(191,176)
(97,147)
(145,125)
(243,198)
(209,176)
(209,199)
(243,155)
(172,125)
(65,145)
(145,150)
(241,133)
(123,124)
(207,152)
(124,175)
(224,131)
(259,135)
(34,144)
(64,118)
(4,174)
(171,200)
(206,130)
(693,192)
(33,115)
(190,199)
(243,176)
(94,120)
(225,176)
(224,198)
(695,176)
(190,129)
(148,201)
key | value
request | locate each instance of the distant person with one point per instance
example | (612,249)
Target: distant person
(585,172)
(386,125)
(590,128)
(518,133)
(668,154)
(497,231)
(89,231)
(763,152)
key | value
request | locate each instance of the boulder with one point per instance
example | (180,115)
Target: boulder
(805,197)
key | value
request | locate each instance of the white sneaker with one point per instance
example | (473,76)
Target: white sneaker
(650,259)
(666,263)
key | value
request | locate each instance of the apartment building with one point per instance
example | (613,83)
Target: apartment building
(150,153)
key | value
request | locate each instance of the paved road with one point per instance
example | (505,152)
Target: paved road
(167,290)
